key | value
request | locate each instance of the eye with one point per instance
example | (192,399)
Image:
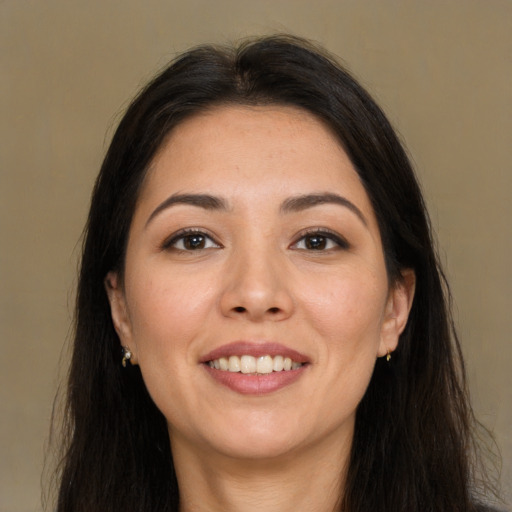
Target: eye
(320,241)
(190,240)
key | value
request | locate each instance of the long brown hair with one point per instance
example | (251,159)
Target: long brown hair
(413,445)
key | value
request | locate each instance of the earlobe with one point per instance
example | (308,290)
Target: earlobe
(398,307)
(119,312)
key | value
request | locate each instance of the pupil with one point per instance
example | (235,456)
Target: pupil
(315,242)
(194,242)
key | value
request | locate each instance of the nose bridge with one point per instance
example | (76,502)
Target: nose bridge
(256,286)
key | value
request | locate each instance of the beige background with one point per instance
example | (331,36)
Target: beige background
(442,70)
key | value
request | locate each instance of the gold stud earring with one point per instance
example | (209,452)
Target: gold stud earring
(127,355)
(388,356)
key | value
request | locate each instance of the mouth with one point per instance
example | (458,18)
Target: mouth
(255,368)
(251,365)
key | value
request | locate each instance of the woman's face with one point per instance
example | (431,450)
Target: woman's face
(254,247)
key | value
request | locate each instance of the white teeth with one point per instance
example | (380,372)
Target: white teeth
(264,364)
(234,364)
(249,364)
(278,363)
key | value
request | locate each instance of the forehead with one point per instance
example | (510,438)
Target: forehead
(248,144)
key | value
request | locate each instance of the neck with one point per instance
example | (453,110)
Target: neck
(305,480)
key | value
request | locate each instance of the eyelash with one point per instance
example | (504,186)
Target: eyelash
(325,234)
(182,235)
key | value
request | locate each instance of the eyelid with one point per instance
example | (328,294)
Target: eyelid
(325,232)
(172,239)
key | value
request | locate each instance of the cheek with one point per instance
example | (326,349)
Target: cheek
(347,308)
(166,314)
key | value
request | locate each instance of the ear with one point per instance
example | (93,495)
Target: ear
(119,312)
(397,311)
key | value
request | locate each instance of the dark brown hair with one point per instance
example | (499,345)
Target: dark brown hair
(413,448)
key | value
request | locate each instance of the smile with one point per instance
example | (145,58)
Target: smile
(248,364)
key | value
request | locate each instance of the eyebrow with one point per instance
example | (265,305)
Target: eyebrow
(300,203)
(292,204)
(205,201)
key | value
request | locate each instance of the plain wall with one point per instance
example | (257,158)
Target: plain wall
(442,70)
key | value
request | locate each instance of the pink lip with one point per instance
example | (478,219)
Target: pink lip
(255,384)
(241,348)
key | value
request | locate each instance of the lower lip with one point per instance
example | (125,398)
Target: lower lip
(246,384)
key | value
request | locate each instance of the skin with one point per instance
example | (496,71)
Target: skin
(257,279)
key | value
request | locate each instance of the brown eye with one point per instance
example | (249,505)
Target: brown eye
(315,242)
(320,241)
(191,241)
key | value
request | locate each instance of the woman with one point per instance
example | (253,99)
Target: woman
(262,323)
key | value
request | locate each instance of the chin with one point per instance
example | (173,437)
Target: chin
(250,435)
(261,436)
(254,445)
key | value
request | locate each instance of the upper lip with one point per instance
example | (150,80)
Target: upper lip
(255,349)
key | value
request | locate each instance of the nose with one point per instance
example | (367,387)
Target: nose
(257,288)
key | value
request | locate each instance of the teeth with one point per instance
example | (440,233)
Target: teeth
(247,364)
(264,364)
(234,364)
(254,365)
(278,363)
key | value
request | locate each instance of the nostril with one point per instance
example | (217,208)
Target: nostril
(239,309)
(273,310)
